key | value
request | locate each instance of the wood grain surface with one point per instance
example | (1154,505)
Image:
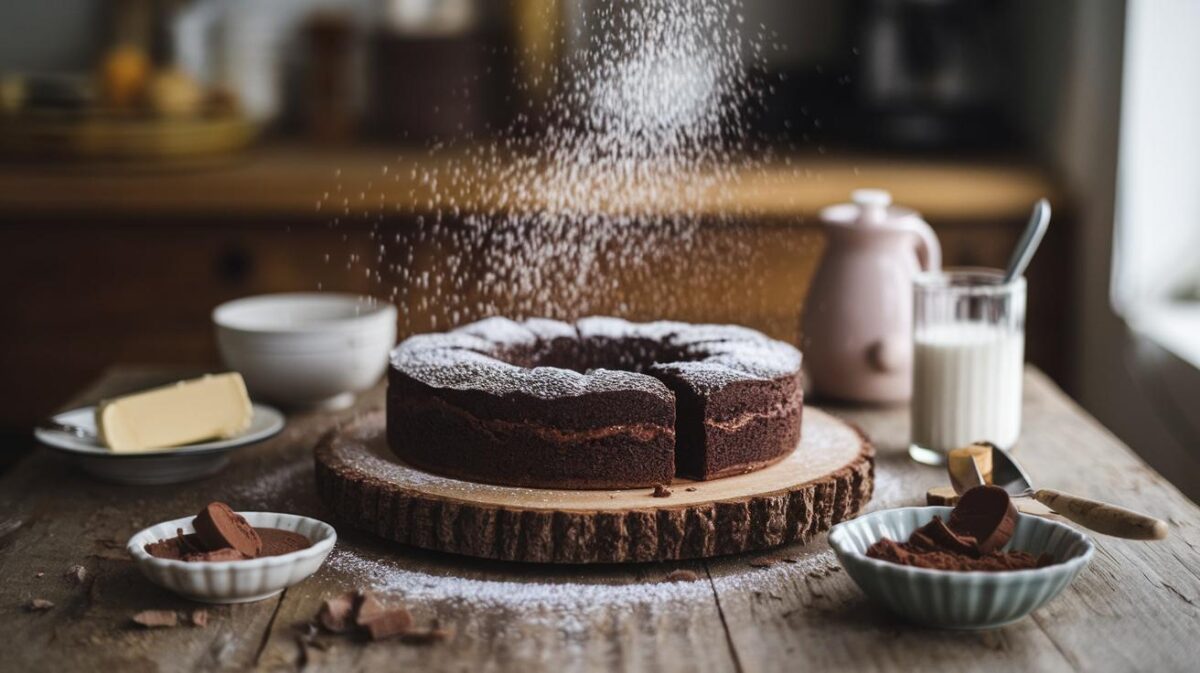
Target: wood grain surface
(1137,607)
(827,479)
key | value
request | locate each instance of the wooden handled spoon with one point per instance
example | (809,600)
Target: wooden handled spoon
(965,471)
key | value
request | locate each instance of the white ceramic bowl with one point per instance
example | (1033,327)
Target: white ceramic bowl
(235,581)
(959,600)
(307,350)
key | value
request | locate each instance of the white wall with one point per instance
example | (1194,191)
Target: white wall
(1074,70)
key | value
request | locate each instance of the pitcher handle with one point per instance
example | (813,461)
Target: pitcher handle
(929,250)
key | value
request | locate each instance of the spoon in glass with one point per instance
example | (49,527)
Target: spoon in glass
(1031,238)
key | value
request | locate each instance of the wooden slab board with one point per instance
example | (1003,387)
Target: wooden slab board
(830,477)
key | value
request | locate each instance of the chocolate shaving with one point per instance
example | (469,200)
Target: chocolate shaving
(763,562)
(681,575)
(155,619)
(661,491)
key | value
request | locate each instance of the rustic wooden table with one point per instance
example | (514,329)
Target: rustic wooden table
(1137,607)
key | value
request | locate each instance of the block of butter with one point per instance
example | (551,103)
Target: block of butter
(216,406)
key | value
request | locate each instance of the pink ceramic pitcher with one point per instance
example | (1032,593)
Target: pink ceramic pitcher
(858,314)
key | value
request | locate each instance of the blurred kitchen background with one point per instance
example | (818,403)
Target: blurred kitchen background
(160,157)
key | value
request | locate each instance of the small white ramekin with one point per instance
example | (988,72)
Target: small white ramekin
(954,599)
(235,581)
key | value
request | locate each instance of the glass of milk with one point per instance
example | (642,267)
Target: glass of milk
(968,356)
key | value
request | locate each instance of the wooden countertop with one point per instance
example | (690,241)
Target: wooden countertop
(1133,608)
(288,181)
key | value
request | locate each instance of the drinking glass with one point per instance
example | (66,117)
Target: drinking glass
(968,357)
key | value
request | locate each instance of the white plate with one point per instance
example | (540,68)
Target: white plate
(164,466)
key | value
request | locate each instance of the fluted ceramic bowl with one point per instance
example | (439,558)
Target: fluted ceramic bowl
(955,599)
(235,581)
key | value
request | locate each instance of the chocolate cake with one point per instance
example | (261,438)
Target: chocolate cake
(602,403)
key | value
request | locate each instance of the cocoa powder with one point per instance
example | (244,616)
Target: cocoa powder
(983,512)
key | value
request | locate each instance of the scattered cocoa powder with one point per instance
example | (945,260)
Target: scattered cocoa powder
(661,491)
(681,575)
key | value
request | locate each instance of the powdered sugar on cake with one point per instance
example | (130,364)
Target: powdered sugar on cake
(473,356)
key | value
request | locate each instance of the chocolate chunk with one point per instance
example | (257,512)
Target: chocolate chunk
(38,605)
(379,621)
(337,613)
(681,575)
(218,526)
(987,514)
(156,619)
(661,491)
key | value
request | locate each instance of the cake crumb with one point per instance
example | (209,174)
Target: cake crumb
(40,575)
(154,619)
(690,489)
(38,605)
(661,491)
(681,575)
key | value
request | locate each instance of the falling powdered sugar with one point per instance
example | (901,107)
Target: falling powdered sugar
(600,189)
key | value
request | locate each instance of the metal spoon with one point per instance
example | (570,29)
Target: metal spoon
(1031,238)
